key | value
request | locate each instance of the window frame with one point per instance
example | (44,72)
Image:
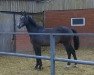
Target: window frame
(77,24)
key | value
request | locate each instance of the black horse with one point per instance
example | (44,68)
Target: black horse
(44,40)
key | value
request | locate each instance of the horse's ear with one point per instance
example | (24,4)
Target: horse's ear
(23,13)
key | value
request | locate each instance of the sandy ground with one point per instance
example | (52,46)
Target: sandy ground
(25,66)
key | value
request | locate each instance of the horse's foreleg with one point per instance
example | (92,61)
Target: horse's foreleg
(38,60)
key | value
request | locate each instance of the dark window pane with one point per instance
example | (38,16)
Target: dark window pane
(77,21)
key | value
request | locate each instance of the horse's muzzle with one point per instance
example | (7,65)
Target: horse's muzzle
(18,26)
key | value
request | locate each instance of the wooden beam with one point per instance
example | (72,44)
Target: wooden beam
(19,13)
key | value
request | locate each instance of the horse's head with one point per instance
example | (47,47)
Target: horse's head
(24,20)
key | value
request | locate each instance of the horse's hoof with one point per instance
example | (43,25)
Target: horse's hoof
(75,66)
(67,66)
(35,67)
(39,68)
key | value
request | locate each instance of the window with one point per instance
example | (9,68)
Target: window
(77,21)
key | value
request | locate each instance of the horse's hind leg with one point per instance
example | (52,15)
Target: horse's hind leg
(67,48)
(73,53)
(70,50)
(37,50)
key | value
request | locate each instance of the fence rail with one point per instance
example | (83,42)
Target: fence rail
(47,58)
(22,33)
(52,58)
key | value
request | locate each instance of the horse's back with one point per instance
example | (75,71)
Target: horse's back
(63,38)
(63,29)
(60,29)
(45,39)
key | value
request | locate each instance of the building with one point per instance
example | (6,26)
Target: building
(64,12)
(82,19)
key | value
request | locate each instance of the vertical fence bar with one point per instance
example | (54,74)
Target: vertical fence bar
(52,52)
(14,35)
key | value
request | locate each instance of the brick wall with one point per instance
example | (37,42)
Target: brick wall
(55,18)
(63,17)
(23,44)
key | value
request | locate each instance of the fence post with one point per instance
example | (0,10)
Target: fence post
(52,52)
(14,35)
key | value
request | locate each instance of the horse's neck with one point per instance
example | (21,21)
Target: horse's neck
(33,28)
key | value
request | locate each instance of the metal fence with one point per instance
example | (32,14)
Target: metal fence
(52,58)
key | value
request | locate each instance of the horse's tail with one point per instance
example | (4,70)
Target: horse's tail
(75,40)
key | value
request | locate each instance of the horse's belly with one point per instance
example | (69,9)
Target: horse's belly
(43,40)
(46,41)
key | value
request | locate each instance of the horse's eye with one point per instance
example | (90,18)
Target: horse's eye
(20,18)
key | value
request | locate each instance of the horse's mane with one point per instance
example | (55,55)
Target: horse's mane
(34,23)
